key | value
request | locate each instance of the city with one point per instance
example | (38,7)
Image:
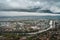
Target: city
(40,29)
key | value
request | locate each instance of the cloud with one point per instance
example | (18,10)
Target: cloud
(26,14)
(53,5)
(55,9)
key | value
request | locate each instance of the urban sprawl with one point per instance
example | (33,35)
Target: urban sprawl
(40,29)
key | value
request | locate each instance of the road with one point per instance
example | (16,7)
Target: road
(43,30)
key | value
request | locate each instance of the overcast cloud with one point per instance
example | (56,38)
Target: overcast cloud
(53,5)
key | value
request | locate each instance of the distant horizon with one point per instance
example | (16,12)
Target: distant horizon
(13,13)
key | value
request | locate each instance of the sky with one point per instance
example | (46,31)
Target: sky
(52,5)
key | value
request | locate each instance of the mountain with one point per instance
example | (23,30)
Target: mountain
(33,9)
(57,13)
(44,11)
(22,10)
